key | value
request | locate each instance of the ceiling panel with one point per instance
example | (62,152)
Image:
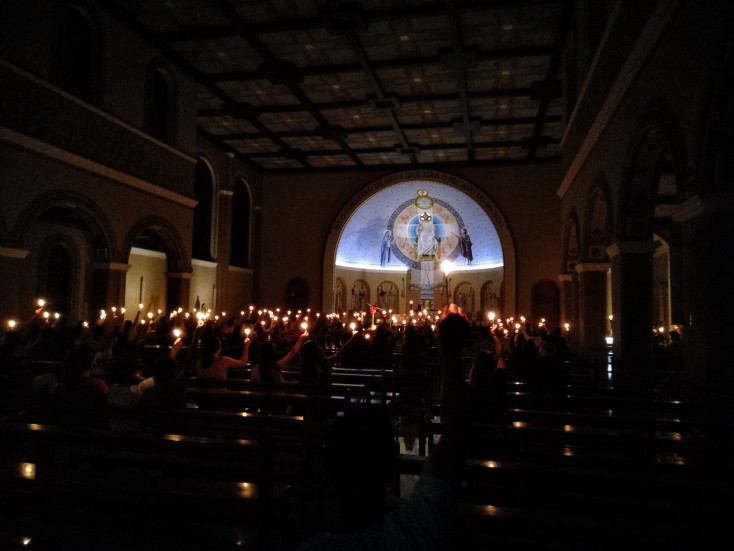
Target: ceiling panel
(331,83)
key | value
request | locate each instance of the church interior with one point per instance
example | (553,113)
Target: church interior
(551,167)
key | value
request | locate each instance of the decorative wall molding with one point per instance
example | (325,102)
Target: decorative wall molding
(96,111)
(565,278)
(204,263)
(52,152)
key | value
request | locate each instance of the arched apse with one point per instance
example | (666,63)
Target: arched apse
(396,203)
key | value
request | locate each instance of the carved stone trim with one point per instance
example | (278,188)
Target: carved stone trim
(53,152)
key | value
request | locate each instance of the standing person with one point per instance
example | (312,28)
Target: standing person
(360,462)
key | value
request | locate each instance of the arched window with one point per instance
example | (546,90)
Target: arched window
(240,238)
(160,105)
(204,194)
(57,279)
(77,77)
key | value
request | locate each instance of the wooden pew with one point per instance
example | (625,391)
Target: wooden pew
(575,444)
(73,482)
(525,505)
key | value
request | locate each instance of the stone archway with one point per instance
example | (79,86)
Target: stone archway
(166,247)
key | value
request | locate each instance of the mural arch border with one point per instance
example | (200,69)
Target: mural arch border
(176,260)
(471,190)
(102,234)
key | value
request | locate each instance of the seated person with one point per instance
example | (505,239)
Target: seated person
(360,457)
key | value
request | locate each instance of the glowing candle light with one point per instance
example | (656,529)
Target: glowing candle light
(11,324)
(85,324)
(122,310)
(114,309)
(140,306)
(247,332)
(46,315)
(41,303)
(567,326)
(28,470)
(491,316)
(150,315)
(177,333)
(57,315)
(304,326)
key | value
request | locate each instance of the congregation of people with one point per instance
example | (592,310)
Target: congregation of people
(117,361)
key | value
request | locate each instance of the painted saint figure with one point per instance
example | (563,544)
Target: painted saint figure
(426,238)
(385,248)
(465,245)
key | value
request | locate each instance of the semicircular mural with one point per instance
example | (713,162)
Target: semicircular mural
(408,230)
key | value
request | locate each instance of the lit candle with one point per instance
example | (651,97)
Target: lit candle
(11,324)
(140,306)
(247,332)
(177,333)
(491,316)
(41,302)
(304,326)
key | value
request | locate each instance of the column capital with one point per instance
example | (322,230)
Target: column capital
(697,205)
(226,192)
(13,252)
(112,266)
(631,247)
(565,278)
(592,267)
(179,275)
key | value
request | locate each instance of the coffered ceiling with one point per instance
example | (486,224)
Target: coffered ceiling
(294,85)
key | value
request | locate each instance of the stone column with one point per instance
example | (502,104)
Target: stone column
(632,309)
(707,308)
(17,301)
(593,324)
